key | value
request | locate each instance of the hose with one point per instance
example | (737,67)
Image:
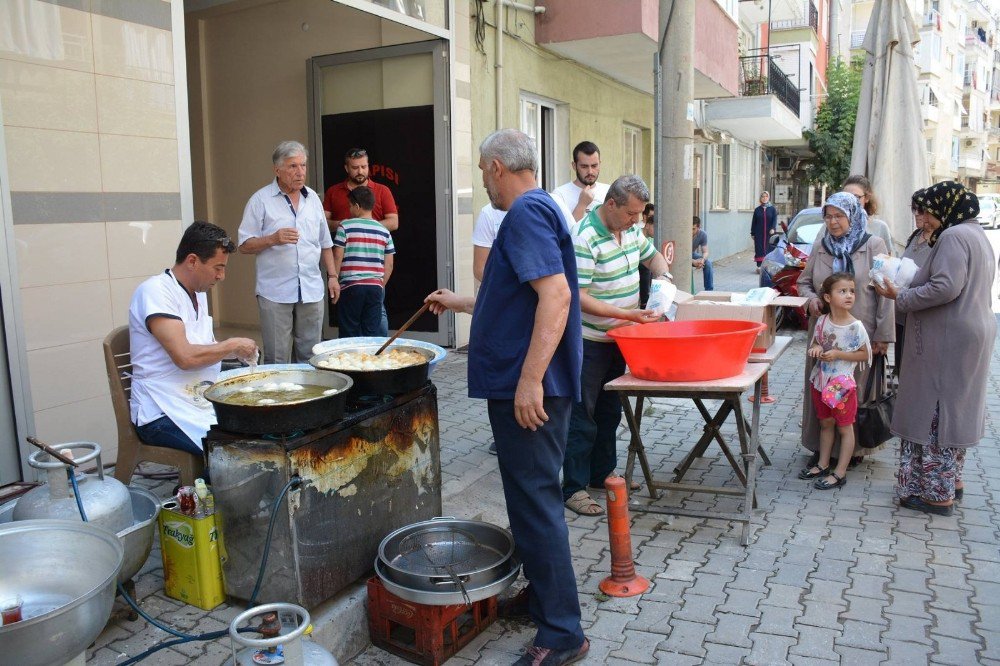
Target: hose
(294,482)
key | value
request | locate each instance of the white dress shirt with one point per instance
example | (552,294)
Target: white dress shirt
(288,273)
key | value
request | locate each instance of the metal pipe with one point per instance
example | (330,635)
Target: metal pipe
(523,7)
(498,62)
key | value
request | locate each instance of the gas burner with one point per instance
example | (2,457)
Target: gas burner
(367,401)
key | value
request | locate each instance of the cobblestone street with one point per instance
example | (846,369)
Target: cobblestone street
(838,577)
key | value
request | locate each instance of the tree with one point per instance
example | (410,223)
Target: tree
(832,138)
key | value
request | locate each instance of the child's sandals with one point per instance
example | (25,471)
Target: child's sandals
(823,484)
(807,473)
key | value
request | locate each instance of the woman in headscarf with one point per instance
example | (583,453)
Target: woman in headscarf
(950,331)
(917,249)
(845,247)
(762,224)
(861,187)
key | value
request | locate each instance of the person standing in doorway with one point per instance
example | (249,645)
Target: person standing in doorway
(762,225)
(524,359)
(336,204)
(699,253)
(583,194)
(649,231)
(284,226)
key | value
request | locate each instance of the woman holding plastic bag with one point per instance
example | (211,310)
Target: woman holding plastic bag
(950,332)
(845,247)
(917,250)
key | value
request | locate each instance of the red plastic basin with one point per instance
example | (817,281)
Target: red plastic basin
(687,351)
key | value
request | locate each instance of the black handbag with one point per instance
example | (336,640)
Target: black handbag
(875,413)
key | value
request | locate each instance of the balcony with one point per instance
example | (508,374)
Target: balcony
(810,20)
(857,39)
(932,19)
(621,43)
(971,163)
(932,114)
(767,108)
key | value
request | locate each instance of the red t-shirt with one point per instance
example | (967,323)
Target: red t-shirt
(336,201)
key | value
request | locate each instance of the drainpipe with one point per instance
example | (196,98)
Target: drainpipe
(498,66)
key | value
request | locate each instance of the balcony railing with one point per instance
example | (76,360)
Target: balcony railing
(933,19)
(810,21)
(857,39)
(761,75)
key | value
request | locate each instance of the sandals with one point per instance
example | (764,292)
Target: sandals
(582,503)
(918,504)
(823,484)
(806,474)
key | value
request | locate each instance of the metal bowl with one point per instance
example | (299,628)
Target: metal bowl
(138,539)
(65,572)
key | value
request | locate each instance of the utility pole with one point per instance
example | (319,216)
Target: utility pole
(675,159)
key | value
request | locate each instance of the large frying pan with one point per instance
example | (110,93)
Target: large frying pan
(380,382)
(281,418)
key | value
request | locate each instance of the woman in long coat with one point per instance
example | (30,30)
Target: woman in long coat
(940,407)
(765,219)
(849,250)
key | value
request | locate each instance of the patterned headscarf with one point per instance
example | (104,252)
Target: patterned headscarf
(842,248)
(949,202)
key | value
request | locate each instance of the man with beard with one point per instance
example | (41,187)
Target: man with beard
(335,201)
(584,193)
(284,226)
(524,359)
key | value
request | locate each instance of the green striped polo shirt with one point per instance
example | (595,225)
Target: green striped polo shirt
(609,271)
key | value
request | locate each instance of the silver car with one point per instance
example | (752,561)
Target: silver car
(989,215)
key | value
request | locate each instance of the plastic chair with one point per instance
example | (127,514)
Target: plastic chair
(132,450)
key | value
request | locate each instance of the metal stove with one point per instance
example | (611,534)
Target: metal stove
(375,470)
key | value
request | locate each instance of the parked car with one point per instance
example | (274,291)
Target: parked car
(989,213)
(792,248)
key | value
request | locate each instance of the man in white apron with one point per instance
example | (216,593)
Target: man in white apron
(174,352)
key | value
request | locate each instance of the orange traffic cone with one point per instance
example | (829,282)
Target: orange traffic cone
(623,581)
(765,397)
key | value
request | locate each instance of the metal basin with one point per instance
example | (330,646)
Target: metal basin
(138,539)
(65,572)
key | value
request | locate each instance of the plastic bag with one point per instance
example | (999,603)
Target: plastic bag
(661,296)
(899,271)
(775,260)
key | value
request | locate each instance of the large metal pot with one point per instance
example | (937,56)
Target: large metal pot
(380,382)
(449,595)
(447,555)
(65,573)
(280,418)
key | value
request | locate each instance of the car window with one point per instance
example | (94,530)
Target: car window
(987,205)
(805,228)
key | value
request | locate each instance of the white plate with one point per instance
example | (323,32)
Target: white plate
(345,343)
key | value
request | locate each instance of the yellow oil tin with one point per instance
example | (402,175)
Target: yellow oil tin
(192,570)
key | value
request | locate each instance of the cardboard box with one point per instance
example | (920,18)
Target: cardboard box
(192,571)
(717,305)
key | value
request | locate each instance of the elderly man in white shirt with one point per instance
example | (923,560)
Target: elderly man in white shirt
(285,226)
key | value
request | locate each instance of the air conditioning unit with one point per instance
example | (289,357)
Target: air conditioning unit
(786,163)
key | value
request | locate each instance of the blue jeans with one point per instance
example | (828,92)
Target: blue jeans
(591,453)
(359,311)
(529,468)
(707,269)
(164,432)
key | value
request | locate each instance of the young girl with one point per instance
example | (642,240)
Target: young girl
(840,342)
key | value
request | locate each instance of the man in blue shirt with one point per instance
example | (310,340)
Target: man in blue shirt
(525,354)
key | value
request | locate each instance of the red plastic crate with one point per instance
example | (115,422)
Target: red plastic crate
(423,634)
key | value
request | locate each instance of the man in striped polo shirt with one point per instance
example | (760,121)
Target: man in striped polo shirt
(363,253)
(609,249)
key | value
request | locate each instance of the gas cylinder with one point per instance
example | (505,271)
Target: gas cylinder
(284,627)
(105,499)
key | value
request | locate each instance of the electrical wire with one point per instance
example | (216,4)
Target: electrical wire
(182,637)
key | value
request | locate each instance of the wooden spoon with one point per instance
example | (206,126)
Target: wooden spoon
(409,322)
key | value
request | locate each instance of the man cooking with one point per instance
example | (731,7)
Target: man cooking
(524,358)
(284,225)
(173,347)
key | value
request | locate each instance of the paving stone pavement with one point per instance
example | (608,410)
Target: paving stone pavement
(836,577)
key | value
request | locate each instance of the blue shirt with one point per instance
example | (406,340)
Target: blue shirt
(288,273)
(533,243)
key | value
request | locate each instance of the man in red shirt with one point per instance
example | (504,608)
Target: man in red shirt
(335,202)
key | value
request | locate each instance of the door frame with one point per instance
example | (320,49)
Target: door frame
(439,50)
(12,339)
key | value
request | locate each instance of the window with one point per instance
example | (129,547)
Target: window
(745,177)
(631,149)
(538,120)
(720,183)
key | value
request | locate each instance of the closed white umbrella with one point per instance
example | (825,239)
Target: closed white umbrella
(888,133)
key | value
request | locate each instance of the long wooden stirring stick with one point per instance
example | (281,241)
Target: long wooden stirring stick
(409,322)
(34,441)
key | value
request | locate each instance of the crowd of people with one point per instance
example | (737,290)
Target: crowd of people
(557,272)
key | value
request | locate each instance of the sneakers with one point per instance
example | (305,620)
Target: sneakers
(539,656)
